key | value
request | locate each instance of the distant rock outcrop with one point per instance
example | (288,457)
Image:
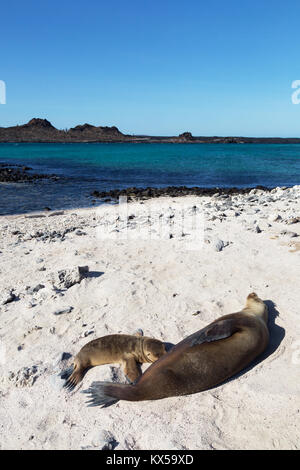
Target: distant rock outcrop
(41,130)
(186,136)
(38,123)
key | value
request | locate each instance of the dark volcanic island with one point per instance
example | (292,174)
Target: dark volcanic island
(41,130)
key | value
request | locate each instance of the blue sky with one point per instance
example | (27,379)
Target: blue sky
(155,67)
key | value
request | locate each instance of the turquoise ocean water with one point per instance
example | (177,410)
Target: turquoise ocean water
(86,167)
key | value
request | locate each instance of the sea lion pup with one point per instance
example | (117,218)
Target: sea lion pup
(128,350)
(199,362)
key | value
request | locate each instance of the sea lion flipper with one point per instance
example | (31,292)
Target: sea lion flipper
(218,330)
(99,396)
(132,369)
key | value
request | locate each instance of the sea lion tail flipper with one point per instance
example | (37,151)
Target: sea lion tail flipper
(105,394)
(219,330)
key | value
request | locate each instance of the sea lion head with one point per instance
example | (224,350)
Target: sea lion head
(153,349)
(256,306)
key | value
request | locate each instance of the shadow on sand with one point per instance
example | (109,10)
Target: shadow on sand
(94,274)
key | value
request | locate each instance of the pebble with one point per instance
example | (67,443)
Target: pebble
(62,310)
(219,245)
(293,220)
(61,357)
(139,332)
(289,234)
(80,232)
(32,290)
(274,217)
(104,440)
(7,296)
(87,333)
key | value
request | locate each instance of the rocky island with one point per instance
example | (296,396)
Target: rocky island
(41,130)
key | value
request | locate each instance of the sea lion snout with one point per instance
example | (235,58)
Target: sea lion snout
(153,349)
(257,305)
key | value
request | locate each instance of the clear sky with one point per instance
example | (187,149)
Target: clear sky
(158,67)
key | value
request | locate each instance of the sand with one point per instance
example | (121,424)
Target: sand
(172,267)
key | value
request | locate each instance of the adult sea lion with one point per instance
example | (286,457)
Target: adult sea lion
(199,362)
(128,350)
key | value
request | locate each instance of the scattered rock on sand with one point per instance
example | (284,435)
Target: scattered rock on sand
(25,377)
(62,310)
(274,218)
(292,220)
(33,290)
(68,277)
(289,234)
(220,244)
(61,358)
(80,233)
(105,440)
(7,296)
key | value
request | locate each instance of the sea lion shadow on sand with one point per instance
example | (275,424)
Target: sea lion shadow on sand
(277,333)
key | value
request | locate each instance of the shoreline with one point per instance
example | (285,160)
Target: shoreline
(111,197)
(134,194)
(171,140)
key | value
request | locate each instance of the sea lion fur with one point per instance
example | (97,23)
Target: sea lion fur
(128,350)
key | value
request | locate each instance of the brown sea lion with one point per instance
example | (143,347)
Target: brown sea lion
(127,350)
(199,362)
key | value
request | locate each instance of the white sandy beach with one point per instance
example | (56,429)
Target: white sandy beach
(169,288)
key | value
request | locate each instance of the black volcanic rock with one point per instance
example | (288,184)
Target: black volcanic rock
(172,191)
(38,123)
(10,173)
(82,127)
(186,136)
